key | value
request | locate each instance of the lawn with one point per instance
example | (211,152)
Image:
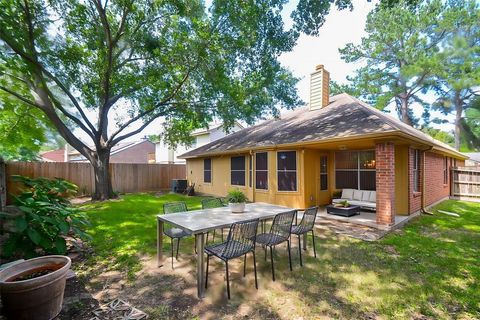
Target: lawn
(427,270)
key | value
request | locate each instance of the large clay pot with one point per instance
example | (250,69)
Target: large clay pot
(38,298)
(237,207)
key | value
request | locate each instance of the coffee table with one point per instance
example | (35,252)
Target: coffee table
(343,211)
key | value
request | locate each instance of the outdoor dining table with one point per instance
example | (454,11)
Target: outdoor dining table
(199,222)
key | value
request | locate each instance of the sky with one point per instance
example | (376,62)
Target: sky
(340,28)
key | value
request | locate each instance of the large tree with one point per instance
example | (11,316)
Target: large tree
(458,72)
(398,53)
(109,68)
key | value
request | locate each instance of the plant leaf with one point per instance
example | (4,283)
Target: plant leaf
(34,235)
(21,224)
(61,245)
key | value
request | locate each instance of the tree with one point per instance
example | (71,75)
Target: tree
(458,71)
(470,125)
(109,68)
(399,54)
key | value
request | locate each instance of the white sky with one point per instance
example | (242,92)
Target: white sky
(340,28)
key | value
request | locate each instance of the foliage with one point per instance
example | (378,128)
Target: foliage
(440,135)
(399,51)
(236,196)
(458,71)
(471,126)
(46,220)
(427,269)
(84,63)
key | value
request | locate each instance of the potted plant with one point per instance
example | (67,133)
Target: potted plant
(33,289)
(236,201)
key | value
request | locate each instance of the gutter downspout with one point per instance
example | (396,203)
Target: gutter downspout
(423,205)
(253,174)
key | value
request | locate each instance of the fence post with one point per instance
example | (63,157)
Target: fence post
(3,185)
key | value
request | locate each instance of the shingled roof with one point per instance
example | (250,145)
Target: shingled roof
(345,116)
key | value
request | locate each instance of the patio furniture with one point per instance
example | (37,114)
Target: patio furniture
(362,198)
(279,233)
(211,203)
(240,241)
(198,222)
(172,232)
(306,225)
(343,211)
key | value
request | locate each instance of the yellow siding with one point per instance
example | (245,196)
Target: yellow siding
(401,179)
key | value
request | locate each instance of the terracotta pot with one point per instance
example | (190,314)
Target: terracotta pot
(237,207)
(38,298)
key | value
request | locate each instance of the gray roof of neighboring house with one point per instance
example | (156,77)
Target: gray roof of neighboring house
(475,156)
(344,117)
(119,147)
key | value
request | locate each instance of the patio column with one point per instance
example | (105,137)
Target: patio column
(385,180)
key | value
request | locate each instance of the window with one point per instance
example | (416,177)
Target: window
(261,170)
(416,170)
(250,171)
(323,173)
(287,170)
(207,170)
(237,165)
(445,170)
(355,170)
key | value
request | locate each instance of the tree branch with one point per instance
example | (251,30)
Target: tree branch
(19,97)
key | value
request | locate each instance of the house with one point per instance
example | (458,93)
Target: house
(474,159)
(310,154)
(166,154)
(53,155)
(142,151)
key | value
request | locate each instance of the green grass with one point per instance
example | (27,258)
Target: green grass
(430,269)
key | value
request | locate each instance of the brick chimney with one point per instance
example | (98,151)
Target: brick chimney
(319,88)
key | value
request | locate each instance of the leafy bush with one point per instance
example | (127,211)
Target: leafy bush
(46,220)
(236,196)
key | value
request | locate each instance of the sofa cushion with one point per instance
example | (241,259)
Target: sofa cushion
(357,195)
(373,196)
(347,194)
(364,204)
(366,195)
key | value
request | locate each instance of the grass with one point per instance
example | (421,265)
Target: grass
(427,270)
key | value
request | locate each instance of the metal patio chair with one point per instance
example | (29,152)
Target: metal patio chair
(211,203)
(240,241)
(279,232)
(306,225)
(172,232)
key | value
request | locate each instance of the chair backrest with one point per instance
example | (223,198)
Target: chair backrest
(308,219)
(282,224)
(173,207)
(211,203)
(241,238)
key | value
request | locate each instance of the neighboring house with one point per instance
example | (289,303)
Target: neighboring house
(474,159)
(142,151)
(305,157)
(53,155)
(166,154)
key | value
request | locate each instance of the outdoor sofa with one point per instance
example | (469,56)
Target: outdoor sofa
(363,198)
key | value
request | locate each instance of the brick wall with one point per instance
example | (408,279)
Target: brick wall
(436,189)
(385,179)
(415,198)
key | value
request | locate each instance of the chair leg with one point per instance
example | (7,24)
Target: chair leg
(228,280)
(289,255)
(265,248)
(255,269)
(206,273)
(271,260)
(213,235)
(178,246)
(313,239)
(171,244)
(222,233)
(244,264)
(300,250)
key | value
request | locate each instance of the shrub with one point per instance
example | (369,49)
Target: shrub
(236,196)
(46,220)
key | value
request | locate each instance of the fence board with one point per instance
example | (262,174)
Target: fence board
(126,177)
(466,182)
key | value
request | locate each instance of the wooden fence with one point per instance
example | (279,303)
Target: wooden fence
(466,183)
(126,177)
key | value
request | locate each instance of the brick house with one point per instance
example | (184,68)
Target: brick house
(309,155)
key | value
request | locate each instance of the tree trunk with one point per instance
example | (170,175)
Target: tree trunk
(405,116)
(103,180)
(458,119)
